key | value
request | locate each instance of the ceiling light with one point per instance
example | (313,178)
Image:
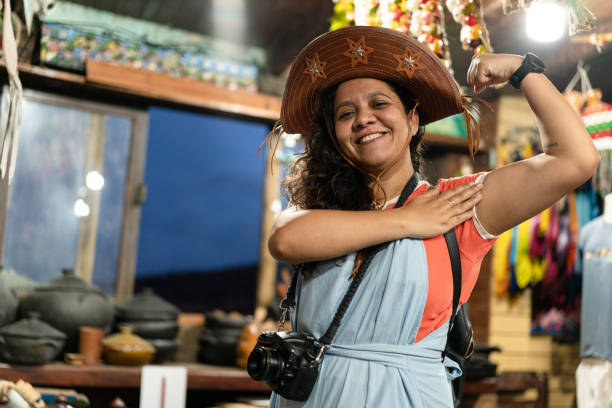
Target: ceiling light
(545,21)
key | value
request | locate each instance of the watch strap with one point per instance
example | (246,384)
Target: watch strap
(526,67)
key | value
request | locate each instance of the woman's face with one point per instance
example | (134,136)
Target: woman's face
(371,123)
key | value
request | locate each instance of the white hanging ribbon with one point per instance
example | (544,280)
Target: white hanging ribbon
(10,133)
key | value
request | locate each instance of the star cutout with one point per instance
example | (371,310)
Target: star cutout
(358,51)
(315,68)
(408,62)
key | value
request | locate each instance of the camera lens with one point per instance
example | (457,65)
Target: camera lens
(265,364)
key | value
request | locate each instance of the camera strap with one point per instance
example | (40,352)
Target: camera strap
(455,258)
(288,303)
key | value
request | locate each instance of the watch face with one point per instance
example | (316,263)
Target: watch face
(535,62)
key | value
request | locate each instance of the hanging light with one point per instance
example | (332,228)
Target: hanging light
(81,209)
(545,21)
(94,180)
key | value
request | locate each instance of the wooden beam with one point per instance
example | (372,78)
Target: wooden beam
(88,226)
(135,194)
(266,279)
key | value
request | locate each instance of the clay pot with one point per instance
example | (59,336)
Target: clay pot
(67,303)
(125,348)
(219,339)
(146,306)
(30,341)
(155,330)
(164,349)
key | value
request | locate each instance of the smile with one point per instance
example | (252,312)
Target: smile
(370,137)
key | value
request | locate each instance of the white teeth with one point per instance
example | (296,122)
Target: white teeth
(370,137)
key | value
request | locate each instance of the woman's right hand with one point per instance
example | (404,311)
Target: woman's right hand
(433,213)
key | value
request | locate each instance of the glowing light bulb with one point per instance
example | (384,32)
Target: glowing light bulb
(545,21)
(94,181)
(81,209)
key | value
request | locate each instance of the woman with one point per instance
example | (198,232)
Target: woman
(361,95)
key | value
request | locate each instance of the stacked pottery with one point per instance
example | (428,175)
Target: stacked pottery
(220,337)
(67,303)
(30,341)
(153,319)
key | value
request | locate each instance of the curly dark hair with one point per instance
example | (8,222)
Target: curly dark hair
(321,179)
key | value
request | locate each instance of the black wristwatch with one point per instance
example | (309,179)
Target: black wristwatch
(531,63)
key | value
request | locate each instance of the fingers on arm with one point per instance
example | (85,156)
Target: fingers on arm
(461,193)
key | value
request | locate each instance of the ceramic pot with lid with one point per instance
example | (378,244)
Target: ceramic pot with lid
(146,306)
(30,341)
(67,303)
(126,348)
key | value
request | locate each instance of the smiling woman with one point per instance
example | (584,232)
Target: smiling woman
(360,95)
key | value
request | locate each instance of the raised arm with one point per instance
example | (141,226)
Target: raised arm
(518,191)
(312,235)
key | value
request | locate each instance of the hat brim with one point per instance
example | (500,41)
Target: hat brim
(366,52)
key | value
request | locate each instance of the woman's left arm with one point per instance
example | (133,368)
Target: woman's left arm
(518,191)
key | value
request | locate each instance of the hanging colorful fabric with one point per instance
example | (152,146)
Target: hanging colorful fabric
(501,271)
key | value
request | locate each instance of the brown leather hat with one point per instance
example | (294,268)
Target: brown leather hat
(366,52)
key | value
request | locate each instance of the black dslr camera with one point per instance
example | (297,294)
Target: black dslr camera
(287,361)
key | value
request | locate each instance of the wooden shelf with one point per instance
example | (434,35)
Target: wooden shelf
(129,83)
(199,377)
(181,90)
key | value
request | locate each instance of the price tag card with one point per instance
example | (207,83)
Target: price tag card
(163,387)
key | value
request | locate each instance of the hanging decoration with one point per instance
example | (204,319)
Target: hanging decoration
(474,34)
(580,18)
(597,117)
(423,19)
(11,109)
(596,39)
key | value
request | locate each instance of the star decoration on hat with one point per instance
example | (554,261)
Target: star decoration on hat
(358,51)
(315,68)
(408,62)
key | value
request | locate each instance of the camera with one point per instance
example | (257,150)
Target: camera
(287,362)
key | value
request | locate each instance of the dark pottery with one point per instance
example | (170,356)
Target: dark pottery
(218,350)
(219,320)
(30,341)
(146,306)
(67,303)
(154,329)
(165,349)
